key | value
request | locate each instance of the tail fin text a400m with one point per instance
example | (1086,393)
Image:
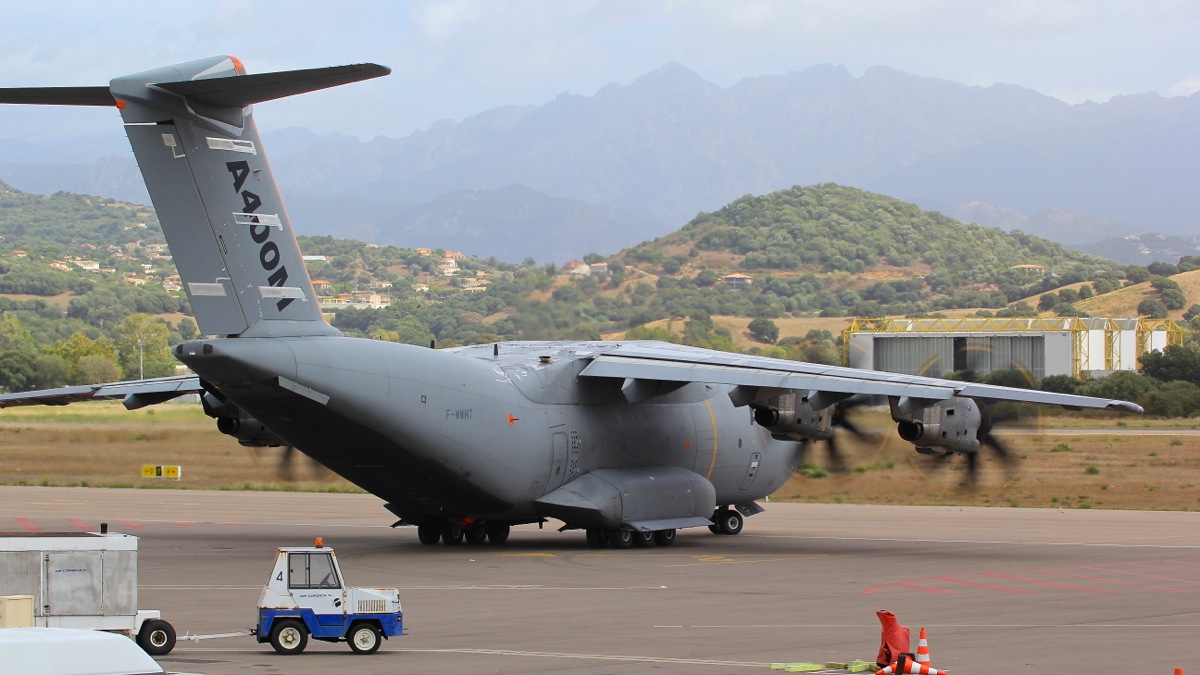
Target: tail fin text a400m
(193,134)
(628,441)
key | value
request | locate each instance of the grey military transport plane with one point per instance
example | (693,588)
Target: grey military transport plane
(627,441)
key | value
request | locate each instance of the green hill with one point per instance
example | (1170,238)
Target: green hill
(890,252)
(820,251)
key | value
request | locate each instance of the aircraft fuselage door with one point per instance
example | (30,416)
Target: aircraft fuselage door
(558,460)
(751,470)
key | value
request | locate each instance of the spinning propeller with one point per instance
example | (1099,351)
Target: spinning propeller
(986,440)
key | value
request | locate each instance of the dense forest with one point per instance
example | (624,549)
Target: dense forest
(86,290)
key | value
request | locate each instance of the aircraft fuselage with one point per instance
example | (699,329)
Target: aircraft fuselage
(481,432)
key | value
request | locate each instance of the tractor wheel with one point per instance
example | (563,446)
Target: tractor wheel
(157,637)
(289,636)
(364,638)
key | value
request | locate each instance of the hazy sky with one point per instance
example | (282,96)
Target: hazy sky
(455,58)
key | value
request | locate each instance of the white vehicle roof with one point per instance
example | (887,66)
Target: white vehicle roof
(71,651)
(67,541)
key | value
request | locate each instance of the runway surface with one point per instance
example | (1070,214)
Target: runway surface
(999,590)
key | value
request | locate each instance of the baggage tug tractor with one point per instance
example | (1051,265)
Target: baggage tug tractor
(305,596)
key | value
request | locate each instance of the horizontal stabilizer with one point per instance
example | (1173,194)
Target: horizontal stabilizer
(58,96)
(239,92)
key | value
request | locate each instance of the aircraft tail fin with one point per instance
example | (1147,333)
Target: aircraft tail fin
(193,134)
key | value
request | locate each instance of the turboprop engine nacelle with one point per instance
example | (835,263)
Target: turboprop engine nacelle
(796,416)
(235,422)
(951,425)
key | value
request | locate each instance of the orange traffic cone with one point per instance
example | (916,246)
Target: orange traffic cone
(922,648)
(904,664)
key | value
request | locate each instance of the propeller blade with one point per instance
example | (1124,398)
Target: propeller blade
(837,462)
(971,479)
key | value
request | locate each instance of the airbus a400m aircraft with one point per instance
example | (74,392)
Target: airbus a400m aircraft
(628,441)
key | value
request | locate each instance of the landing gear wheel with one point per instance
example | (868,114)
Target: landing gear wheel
(364,638)
(730,521)
(664,537)
(620,538)
(497,533)
(643,539)
(289,636)
(476,535)
(714,528)
(453,535)
(157,637)
(428,534)
(597,538)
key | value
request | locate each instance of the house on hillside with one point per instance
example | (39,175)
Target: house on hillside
(736,281)
(323,288)
(1040,269)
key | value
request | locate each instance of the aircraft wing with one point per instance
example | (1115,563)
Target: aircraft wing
(136,393)
(665,362)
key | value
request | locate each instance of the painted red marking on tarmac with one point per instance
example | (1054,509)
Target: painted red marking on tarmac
(80,524)
(983,585)
(1139,574)
(131,524)
(27,524)
(929,589)
(183,524)
(1165,566)
(1105,580)
(907,584)
(1046,583)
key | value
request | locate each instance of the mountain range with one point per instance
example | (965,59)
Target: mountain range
(599,173)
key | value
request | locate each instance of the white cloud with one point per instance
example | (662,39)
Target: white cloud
(1184,87)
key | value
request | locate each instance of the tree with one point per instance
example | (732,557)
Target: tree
(79,346)
(1174,399)
(96,368)
(18,370)
(1153,308)
(1136,275)
(1176,362)
(1062,384)
(187,329)
(1124,385)
(142,347)
(1011,378)
(1173,298)
(764,330)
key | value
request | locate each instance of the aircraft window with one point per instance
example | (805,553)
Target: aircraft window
(312,570)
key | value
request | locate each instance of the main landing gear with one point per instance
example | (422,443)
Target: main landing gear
(726,521)
(624,538)
(455,535)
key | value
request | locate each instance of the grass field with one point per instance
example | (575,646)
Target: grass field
(1111,461)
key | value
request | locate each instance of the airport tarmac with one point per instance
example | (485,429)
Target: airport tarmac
(999,589)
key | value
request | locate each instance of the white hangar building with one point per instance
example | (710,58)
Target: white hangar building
(1080,347)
